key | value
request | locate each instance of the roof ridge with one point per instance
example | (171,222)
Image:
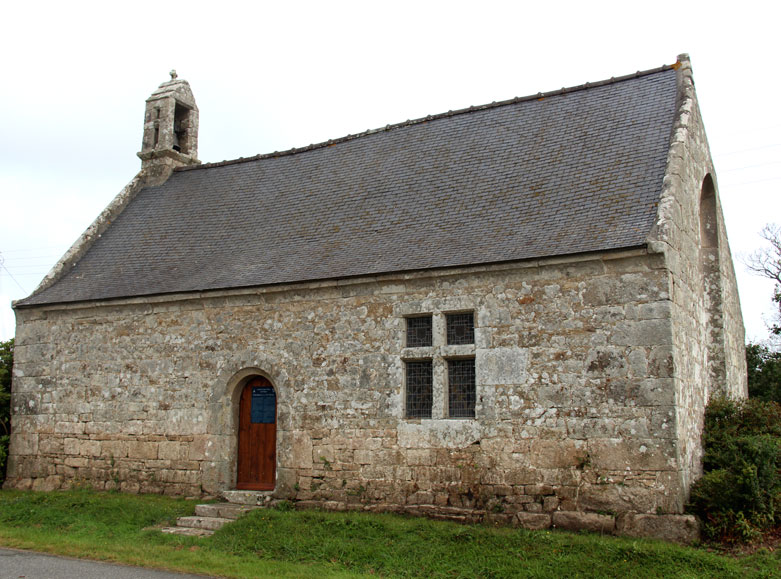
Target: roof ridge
(427,118)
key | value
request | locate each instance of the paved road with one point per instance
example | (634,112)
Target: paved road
(29,565)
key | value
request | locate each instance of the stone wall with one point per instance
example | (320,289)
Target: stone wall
(575,381)
(707,322)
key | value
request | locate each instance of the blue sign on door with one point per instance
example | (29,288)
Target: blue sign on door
(264,406)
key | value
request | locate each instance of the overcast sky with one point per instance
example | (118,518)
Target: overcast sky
(273,76)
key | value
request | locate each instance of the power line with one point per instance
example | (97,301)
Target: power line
(772,146)
(751,167)
(764,129)
(28,249)
(727,182)
(47,257)
(32,265)
(2,265)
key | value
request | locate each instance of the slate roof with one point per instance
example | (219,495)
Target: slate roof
(573,171)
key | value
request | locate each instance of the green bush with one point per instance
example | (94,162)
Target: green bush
(764,373)
(739,496)
(3,456)
(6,363)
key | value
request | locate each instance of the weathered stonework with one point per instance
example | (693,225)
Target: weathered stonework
(575,390)
(705,309)
(170,126)
(592,373)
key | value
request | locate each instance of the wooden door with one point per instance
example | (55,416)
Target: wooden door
(257,460)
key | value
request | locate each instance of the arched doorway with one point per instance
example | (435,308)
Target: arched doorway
(257,447)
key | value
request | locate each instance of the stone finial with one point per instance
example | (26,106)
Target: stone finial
(684,61)
(173,74)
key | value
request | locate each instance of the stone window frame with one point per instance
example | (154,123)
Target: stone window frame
(439,353)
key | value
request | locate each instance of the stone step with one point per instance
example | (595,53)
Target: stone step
(248,497)
(224,510)
(210,523)
(210,517)
(188,531)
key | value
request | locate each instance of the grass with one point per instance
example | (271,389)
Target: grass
(286,543)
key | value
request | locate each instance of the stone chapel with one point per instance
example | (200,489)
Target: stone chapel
(512,312)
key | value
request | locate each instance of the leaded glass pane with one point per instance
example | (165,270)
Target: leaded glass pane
(419,332)
(419,389)
(461,388)
(460,328)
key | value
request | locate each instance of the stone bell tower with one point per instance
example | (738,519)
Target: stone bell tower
(170,127)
